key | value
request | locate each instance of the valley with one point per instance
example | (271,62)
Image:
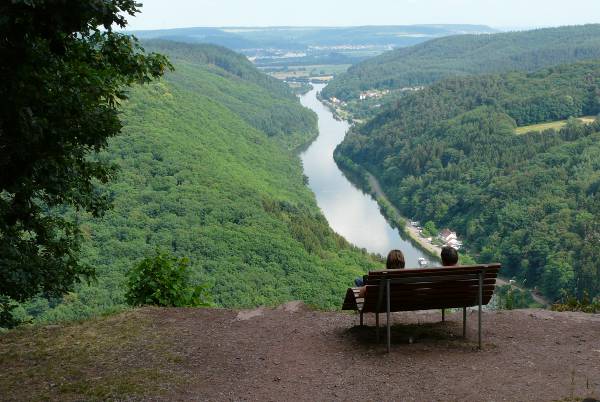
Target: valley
(405,69)
(282,47)
(208,170)
(449,155)
(206,201)
(350,212)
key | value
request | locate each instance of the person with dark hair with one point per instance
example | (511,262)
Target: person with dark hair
(449,256)
(395,260)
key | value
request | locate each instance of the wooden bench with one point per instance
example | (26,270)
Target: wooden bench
(424,289)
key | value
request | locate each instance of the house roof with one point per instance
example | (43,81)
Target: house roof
(446,232)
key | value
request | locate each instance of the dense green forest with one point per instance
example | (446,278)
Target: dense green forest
(449,154)
(268,105)
(205,172)
(462,55)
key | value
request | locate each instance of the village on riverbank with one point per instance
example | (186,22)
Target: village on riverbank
(428,237)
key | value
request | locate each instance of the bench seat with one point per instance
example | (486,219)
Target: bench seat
(424,289)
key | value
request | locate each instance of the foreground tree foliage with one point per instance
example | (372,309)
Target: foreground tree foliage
(64,72)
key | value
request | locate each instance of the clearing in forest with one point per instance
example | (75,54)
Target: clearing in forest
(557,125)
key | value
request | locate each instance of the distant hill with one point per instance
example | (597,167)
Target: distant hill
(300,38)
(207,171)
(461,55)
(277,46)
(450,154)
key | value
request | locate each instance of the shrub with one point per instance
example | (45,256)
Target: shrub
(164,280)
(430,230)
(570,303)
(7,318)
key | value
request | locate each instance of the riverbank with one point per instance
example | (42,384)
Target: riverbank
(350,211)
(395,217)
(368,184)
(407,228)
(414,234)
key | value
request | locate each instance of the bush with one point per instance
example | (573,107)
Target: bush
(570,303)
(510,298)
(430,230)
(7,318)
(164,280)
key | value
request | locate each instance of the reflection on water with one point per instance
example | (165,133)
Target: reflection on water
(350,212)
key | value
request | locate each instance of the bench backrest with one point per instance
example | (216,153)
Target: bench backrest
(430,288)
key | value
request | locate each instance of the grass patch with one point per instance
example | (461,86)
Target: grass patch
(113,357)
(556,125)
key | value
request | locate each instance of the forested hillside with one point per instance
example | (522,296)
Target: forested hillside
(205,172)
(268,104)
(450,154)
(462,55)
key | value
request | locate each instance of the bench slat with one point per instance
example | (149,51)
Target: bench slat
(425,271)
(428,288)
(428,293)
(430,285)
(431,280)
(428,303)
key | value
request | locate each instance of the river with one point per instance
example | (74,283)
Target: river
(350,212)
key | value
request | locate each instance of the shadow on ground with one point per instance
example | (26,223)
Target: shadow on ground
(442,334)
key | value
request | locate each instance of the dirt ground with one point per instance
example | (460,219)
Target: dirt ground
(294,354)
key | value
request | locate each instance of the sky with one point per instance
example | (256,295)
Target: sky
(506,14)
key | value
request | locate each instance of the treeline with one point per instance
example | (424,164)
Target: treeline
(200,179)
(450,154)
(462,55)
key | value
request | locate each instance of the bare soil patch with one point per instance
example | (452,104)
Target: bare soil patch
(294,353)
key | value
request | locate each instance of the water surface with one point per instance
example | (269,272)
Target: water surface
(350,212)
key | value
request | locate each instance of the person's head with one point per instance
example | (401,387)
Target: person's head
(449,256)
(395,260)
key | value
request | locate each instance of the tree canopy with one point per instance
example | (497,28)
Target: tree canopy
(450,154)
(64,71)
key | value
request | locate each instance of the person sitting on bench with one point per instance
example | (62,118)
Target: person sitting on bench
(449,256)
(395,260)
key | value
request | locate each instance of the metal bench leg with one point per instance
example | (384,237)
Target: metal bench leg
(377,325)
(389,332)
(480,301)
(443,314)
(361,318)
(464,322)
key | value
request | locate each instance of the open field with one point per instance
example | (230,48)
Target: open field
(557,125)
(320,71)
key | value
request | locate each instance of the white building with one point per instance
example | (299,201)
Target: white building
(447,235)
